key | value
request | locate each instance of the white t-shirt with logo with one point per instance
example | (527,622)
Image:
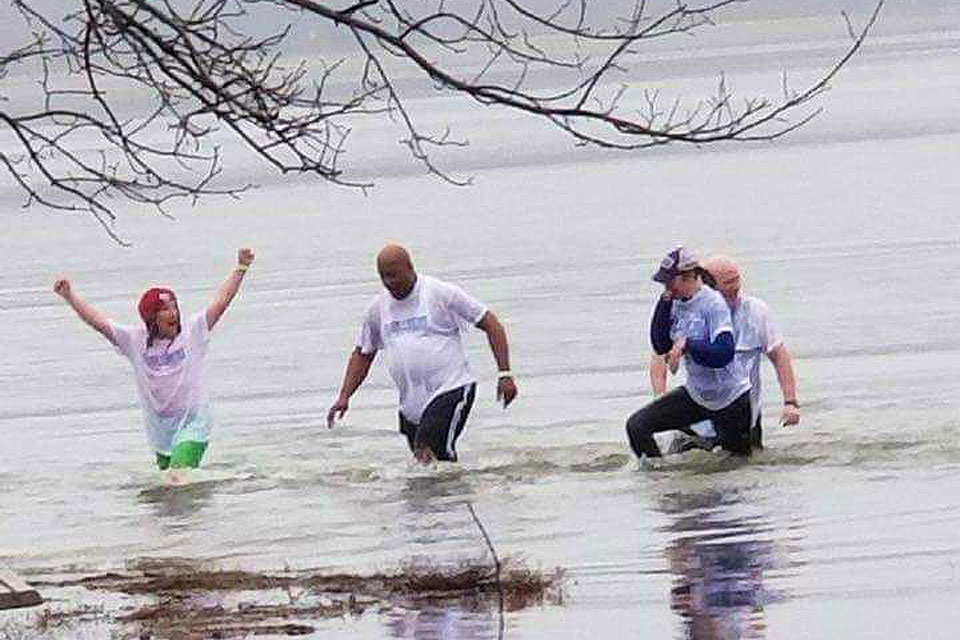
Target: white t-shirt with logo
(703,317)
(422,336)
(755,335)
(169,377)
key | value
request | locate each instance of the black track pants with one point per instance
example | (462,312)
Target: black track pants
(677,411)
(441,423)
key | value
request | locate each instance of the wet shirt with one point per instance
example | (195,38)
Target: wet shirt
(169,376)
(755,334)
(422,336)
(703,317)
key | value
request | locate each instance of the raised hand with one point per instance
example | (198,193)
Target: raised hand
(86,312)
(62,288)
(227,291)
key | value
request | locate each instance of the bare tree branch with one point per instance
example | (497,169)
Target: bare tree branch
(136,96)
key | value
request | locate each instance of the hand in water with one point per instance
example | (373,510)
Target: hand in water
(336,411)
(790,415)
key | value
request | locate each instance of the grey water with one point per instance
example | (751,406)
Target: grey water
(844,526)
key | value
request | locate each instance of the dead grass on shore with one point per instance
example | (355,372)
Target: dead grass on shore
(187,603)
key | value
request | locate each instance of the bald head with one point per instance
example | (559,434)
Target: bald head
(726,273)
(396,270)
(393,254)
(721,265)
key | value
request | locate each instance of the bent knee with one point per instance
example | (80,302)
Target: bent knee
(637,423)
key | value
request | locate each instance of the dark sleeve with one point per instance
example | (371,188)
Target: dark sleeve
(716,354)
(660,327)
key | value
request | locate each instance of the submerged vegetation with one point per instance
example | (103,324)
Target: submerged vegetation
(180,601)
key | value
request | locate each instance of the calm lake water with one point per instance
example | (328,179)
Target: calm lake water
(842,527)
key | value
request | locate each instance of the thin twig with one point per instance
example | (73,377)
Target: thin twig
(496,564)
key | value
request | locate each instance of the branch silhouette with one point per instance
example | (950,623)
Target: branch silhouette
(202,76)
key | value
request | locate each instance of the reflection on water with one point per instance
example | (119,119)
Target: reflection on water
(433,497)
(178,501)
(440,623)
(719,563)
(428,493)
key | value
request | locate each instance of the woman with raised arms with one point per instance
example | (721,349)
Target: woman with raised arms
(168,357)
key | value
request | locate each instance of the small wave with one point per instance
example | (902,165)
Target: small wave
(608,462)
(358,476)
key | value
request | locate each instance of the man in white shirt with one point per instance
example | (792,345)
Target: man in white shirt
(756,334)
(419,321)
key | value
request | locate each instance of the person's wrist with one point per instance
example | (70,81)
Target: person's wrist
(791,403)
(504,374)
(242,268)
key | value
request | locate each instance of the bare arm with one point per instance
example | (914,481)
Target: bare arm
(658,374)
(783,364)
(229,288)
(497,337)
(673,357)
(358,366)
(86,312)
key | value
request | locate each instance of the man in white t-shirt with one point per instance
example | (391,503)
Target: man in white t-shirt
(756,335)
(692,323)
(168,358)
(419,322)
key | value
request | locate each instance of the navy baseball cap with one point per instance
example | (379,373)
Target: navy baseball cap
(676,262)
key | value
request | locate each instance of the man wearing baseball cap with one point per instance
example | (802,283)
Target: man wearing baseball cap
(692,323)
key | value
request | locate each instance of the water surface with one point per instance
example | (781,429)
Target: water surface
(843,527)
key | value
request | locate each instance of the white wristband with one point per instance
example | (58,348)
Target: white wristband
(504,374)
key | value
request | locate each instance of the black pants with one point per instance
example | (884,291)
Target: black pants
(677,411)
(441,423)
(756,434)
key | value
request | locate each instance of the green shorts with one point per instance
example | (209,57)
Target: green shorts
(185,455)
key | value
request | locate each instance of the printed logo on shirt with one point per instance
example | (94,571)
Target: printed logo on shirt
(164,360)
(691,327)
(416,324)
